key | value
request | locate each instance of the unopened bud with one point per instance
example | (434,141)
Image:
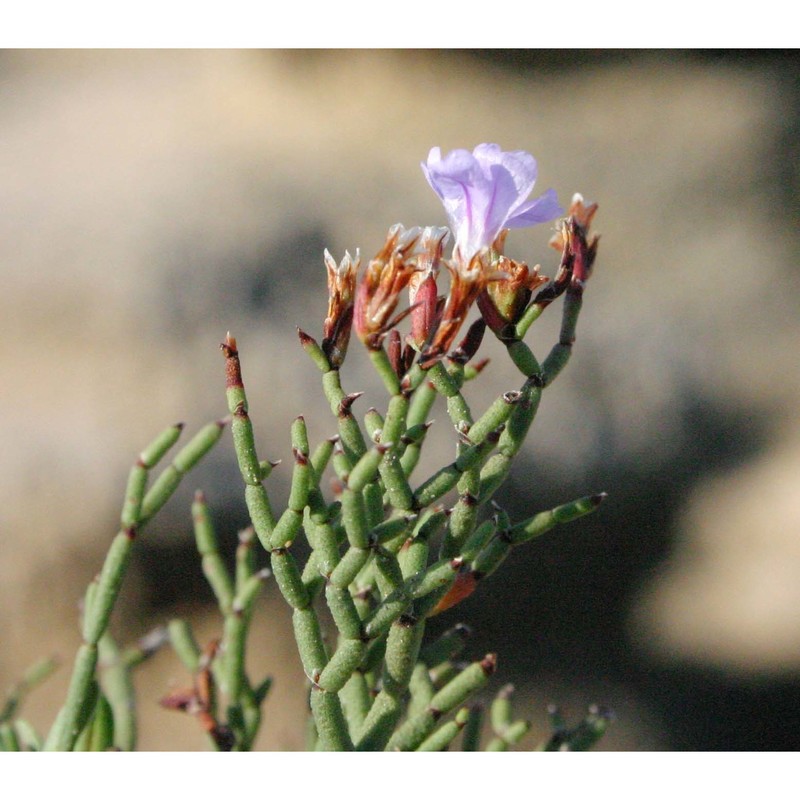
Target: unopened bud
(341,299)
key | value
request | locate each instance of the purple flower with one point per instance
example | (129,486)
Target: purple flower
(486,191)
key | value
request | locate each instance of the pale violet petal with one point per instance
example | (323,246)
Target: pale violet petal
(542,209)
(485,191)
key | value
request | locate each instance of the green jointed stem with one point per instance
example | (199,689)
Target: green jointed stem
(26,735)
(464,684)
(437,576)
(373,500)
(245,566)
(258,507)
(324,542)
(387,571)
(446,647)
(457,407)
(421,403)
(213,566)
(478,540)
(341,462)
(523,358)
(342,664)
(421,689)
(350,433)
(446,478)
(443,673)
(313,580)
(134,492)
(541,523)
(356,702)
(366,469)
(308,635)
(464,514)
(152,454)
(373,422)
(496,549)
(443,736)
(185,459)
(344,612)
(398,491)
(413,555)
(330,722)
(354,519)
(289,579)
(512,734)
(417,728)
(98,733)
(411,444)
(322,455)
(529,316)
(394,426)
(556,360)
(318,510)
(392,528)
(79,700)
(471,741)
(184,644)
(234,679)
(352,563)
(402,650)
(562,350)
(496,415)
(384,369)
(519,423)
(104,594)
(286,530)
(498,466)
(303,478)
(117,686)
(315,352)
(33,676)
(500,710)
(64,732)
(491,556)
(9,741)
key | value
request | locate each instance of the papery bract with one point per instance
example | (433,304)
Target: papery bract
(341,298)
(485,191)
(386,276)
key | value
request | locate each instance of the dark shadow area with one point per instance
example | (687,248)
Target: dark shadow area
(703,709)
(561,605)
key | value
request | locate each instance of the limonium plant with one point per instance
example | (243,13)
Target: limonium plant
(387,550)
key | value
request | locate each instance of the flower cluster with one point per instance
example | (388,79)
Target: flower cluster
(485,193)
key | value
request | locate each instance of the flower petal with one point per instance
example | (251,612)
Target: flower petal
(485,191)
(542,209)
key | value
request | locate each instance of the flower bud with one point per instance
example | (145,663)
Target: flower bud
(506,297)
(578,250)
(341,298)
(387,275)
(465,287)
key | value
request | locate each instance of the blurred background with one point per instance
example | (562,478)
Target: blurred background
(152,200)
